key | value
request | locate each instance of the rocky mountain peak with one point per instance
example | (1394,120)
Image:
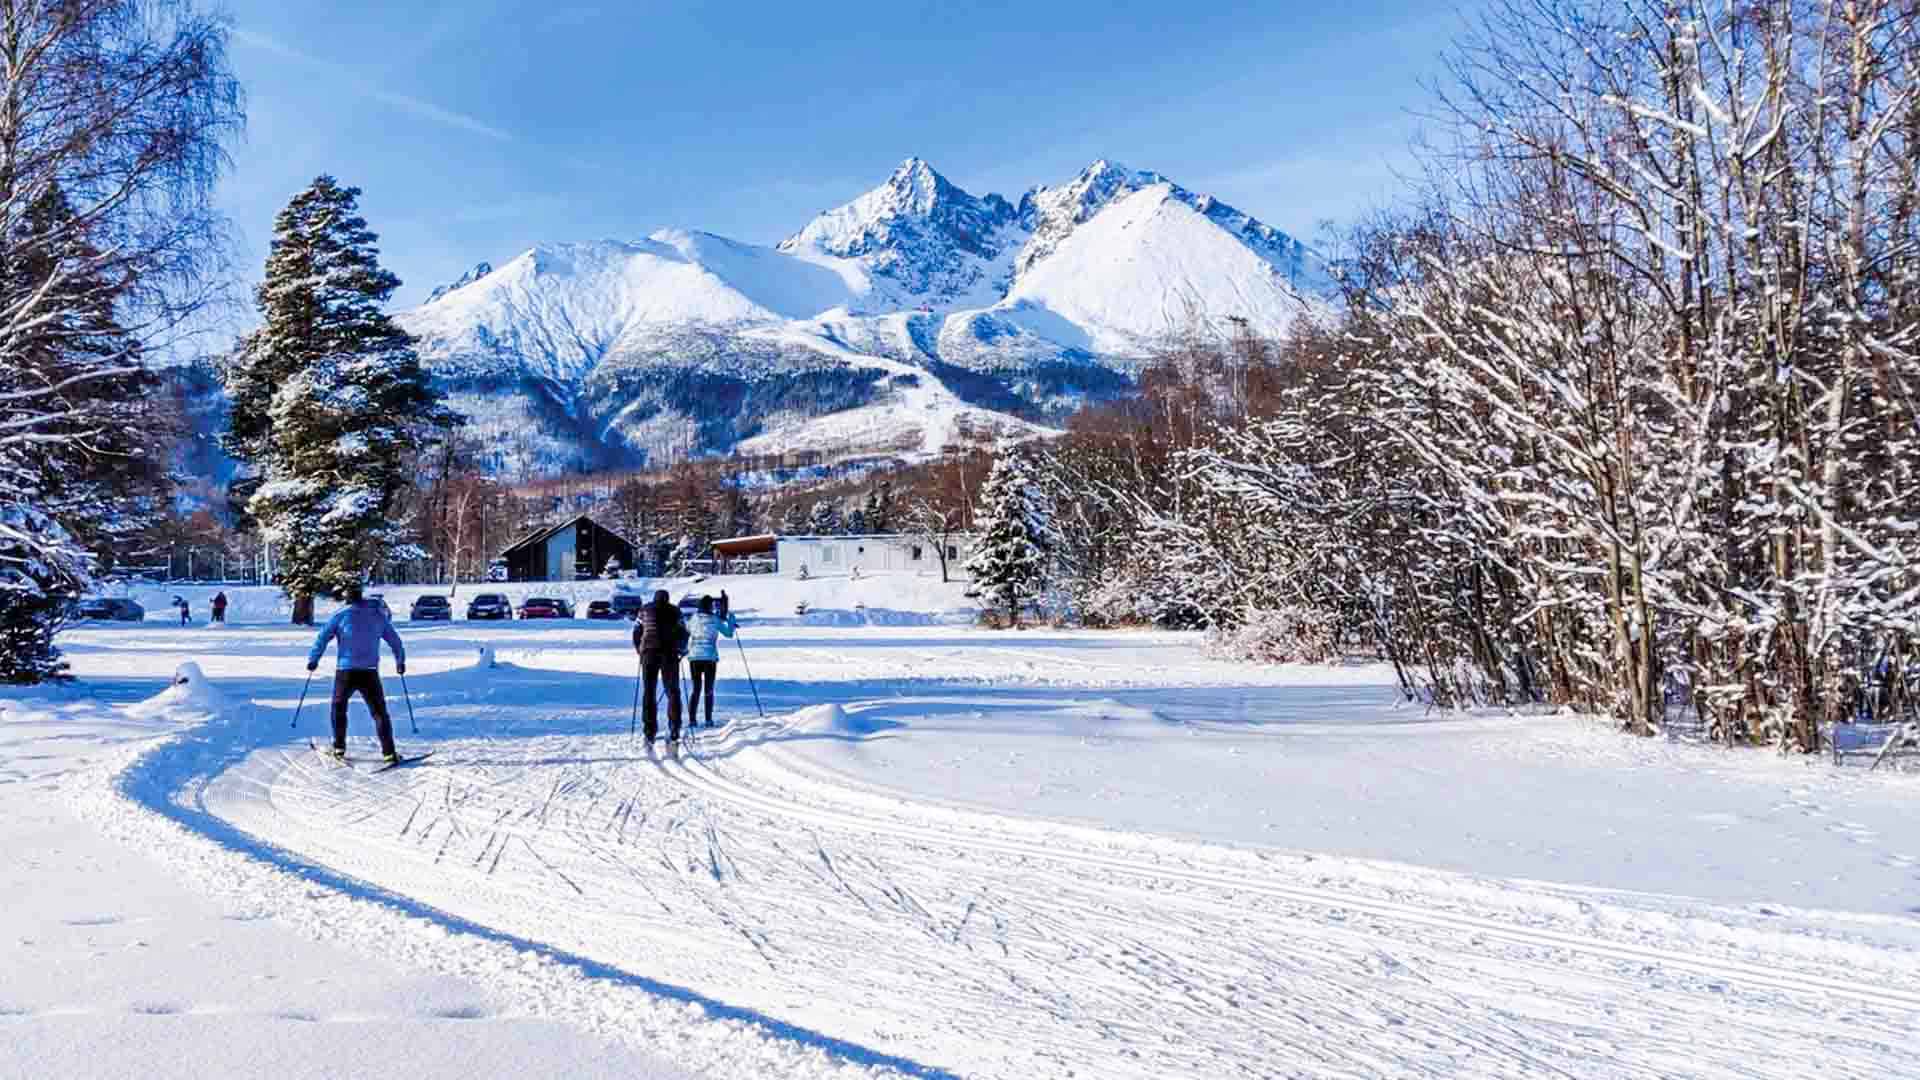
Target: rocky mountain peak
(1051,213)
(920,230)
(479,271)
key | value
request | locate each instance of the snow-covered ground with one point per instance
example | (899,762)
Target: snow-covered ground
(133,948)
(947,852)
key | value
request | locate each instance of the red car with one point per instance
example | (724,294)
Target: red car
(544,607)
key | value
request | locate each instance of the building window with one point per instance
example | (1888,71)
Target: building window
(826,554)
(952,552)
(916,553)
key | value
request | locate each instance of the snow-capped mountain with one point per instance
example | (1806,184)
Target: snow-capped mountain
(928,242)
(891,325)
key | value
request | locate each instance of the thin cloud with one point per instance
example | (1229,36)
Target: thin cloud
(361,85)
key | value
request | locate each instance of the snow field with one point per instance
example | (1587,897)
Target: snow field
(119,964)
(956,852)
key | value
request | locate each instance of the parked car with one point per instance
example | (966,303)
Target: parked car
(431,609)
(601,609)
(627,605)
(544,607)
(110,608)
(489,605)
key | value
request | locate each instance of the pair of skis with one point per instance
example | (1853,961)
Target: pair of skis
(347,763)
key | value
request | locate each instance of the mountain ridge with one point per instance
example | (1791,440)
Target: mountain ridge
(923,311)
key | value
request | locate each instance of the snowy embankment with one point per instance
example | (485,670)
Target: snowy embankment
(955,852)
(879,599)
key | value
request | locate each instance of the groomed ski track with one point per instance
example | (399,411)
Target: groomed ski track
(982,944)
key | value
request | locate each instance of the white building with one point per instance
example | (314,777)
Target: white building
(843,556)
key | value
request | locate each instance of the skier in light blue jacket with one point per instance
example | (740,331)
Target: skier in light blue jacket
(361,626)
(703,652)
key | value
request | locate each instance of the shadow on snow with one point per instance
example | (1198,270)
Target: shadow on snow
(203,752)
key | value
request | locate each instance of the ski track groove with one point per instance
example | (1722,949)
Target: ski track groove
(1791,981)
(1034,958)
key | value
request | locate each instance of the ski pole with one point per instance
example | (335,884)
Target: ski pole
(303,701)
(408,696)
(633,725)
(744,667)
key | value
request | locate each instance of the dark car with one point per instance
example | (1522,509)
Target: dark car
(601,609)
(690,603)
(110,608)
(627,605)
(544,607)
(489,605)
(431,609)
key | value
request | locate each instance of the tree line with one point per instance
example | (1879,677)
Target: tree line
(1619,410)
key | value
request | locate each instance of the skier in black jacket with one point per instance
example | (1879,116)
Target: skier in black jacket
(660,637)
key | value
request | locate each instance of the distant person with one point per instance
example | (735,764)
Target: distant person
(186,613)
(660,637)
(703,653)
(220,608)
(361,626)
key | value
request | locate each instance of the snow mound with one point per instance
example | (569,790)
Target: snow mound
(190,695)
(832,720)
(871,616)
(50,703)
(486,658)
(1113,716)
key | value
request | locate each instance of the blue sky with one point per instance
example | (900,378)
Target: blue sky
(479,127)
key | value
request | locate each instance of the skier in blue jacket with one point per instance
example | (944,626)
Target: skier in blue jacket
(703,653)
(361,626)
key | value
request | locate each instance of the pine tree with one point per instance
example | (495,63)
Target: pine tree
(793,522)
(109,153)
(824,520)
(329,399)
(1008,564)
(740,513)
(880,509)
(75,464)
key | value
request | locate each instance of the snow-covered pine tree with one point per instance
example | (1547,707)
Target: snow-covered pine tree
(881,509)
(111,146)
(1008,563)
(684,550)
(793,521)
(73,463)
(740,513)
(857,522)
(40,571)
(328,397)
(824,520)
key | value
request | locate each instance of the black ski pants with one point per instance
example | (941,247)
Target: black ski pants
(652,667)
(703,671)
(367,684)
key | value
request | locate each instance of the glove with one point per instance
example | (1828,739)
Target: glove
(401,668)
(313,667)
